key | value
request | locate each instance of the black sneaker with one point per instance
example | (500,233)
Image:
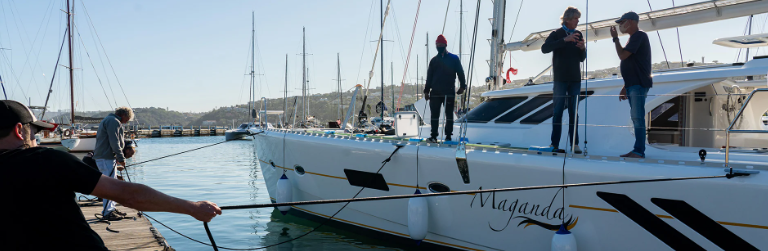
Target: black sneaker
(448,138)
(432,140)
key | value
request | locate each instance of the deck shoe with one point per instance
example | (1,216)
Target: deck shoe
(632,155)
(576,149)
(448,138)
(432,140)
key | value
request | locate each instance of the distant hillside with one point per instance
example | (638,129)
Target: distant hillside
(152,116)
(223,116)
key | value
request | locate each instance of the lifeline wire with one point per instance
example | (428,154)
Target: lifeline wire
(408,196)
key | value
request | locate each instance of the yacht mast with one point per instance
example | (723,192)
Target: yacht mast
(338,79)
(497,45)
(381,2)
(285,94)
(303,74)
(71,73)
(251,96)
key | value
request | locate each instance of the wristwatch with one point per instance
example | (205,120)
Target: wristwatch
(616,39)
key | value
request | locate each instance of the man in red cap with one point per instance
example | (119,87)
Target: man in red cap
(52,177)
(440,87)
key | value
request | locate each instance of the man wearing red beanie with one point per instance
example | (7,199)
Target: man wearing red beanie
(441,76)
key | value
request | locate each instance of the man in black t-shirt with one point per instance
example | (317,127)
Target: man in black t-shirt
(636,72)
(52,177)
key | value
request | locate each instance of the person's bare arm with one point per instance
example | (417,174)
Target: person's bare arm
(623,54)
(144,198)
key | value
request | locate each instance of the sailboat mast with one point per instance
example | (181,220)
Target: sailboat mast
(381,3)
(303,73)
(251,96)
(285,94)
(71,73)
(338,78)
(392,83)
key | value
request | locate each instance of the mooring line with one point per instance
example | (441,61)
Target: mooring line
(190,150)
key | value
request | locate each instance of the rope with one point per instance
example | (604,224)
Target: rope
(446,15)
(213,243)
(660,42)
(182,152)
(526,188)
(408,59)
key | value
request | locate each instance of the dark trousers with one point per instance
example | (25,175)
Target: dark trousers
(565,94)
(434,107)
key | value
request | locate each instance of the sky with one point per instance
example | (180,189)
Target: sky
(194,56)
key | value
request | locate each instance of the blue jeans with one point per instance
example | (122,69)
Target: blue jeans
(637,95)
(564,93)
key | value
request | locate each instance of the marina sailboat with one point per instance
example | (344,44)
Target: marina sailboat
(241,132)
(705,121)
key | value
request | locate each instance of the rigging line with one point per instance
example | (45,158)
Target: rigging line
(94,69)
(407,61)
(107,56)
(464,125)
(384,163)
(101,61)
(36,65)
(446,15)
(365,41)
(660,42)
(24,47)
(6,94)
(743,33)
(375,56)
(679,46)
(510,189)
(55,69)
(13,73)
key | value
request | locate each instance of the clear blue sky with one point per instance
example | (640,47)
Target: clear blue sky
(192,55)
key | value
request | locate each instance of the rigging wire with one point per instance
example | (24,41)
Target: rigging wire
(55,69)
(679,46)
(94,68)
(658,34)
(446,15)
(407,61)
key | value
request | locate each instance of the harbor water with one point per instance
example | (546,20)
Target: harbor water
(229,174)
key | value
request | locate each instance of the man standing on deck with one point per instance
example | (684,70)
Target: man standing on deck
(569,51)
(52,177)
(108,154)
(636,71)
(439,89)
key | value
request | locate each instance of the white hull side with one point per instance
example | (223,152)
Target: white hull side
(83,144)
(464,222)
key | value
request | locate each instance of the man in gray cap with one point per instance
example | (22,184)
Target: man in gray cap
(52,177)
(636,71)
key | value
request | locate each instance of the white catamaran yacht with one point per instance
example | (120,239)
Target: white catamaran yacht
(703,121)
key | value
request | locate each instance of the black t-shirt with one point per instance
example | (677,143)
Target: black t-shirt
(636,69)
(40,212)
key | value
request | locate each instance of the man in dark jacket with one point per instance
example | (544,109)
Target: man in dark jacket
(569,51)
(440,86)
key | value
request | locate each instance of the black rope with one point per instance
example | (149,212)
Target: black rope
(210,236)
(408,196)
(660,42)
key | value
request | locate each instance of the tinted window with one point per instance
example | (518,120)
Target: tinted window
(492,108)
(547,112)
(525,108)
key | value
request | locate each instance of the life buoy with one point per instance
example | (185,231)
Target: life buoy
(67,133)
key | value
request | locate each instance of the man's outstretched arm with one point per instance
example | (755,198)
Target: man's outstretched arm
(144,198)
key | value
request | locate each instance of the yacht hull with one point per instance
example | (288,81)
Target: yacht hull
(679,215)
(79,144)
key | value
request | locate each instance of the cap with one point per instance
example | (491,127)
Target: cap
(629,16)
(13,112)
(441,40)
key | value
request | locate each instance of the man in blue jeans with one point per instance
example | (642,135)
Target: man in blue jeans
(636,70)
(569,51)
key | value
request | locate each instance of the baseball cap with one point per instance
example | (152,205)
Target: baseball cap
(13,112)
(629,16)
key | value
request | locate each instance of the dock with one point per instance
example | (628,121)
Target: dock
(168,131)
(135,233)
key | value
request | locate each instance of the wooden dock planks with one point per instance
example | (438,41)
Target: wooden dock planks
(134,233)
